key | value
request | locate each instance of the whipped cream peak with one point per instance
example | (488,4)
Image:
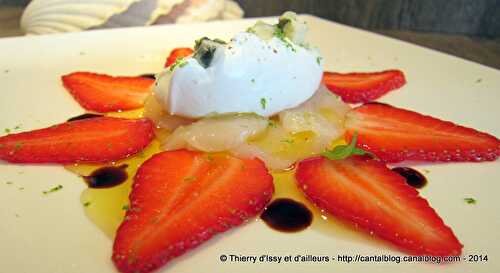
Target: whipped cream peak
(252,73)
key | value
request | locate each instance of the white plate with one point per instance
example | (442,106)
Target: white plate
(50,233)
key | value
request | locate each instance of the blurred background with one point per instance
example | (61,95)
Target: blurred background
(466,28)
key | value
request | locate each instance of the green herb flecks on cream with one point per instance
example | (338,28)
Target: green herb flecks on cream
(278,32)
(289,29)
(179,62)
(263,103)
(318,60)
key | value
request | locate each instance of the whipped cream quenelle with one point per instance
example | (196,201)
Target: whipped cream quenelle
(265,70)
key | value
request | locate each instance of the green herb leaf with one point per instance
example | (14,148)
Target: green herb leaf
(54,189)
(470,200)
(263,103)
(220,41)
(179,62)
(278,32)
(282,22)
(204,50)
(318,60)
(345,151)
(125,207)
(197,43)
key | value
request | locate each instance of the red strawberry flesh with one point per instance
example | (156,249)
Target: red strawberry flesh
(395,134)
(98,139)
(178,53)
(104,93)
(180,199)
(359,87)
(377,200)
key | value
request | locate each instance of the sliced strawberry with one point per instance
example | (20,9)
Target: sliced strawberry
(363,87)
(88,140)
(181,199)
(395,134)
(366,193)
(103,93)
(177,53)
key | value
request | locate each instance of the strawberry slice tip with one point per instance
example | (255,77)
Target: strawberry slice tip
(366,193)
(177,53)
(103,93)
(359,87)
(395,134)
(181,199)
(98,139)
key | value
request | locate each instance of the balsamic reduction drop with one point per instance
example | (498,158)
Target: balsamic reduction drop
(287,215)
(84,116)
(148,75)
(107,177)
(412,176)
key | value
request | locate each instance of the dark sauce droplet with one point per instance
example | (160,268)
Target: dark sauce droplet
(85,116)
(148,75)
(107,177)
(412,176)
(287,215)
(377,103)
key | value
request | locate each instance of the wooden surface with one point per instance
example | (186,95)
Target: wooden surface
(471,17)
(14,2)
(9,21)
(484,51)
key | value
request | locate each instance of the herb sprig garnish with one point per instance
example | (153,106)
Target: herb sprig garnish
(345,151)
(470,200)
